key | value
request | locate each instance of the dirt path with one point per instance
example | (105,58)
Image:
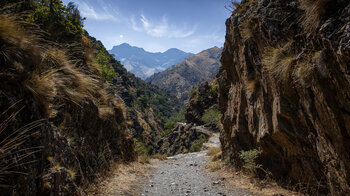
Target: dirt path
(185,174)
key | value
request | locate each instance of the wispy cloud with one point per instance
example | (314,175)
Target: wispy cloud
(89,12)
(160,28)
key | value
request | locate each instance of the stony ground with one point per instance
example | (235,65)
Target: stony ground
(185,174)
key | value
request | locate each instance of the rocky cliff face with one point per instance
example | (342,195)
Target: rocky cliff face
(285,88)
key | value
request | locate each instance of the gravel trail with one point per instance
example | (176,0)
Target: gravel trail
(185,174)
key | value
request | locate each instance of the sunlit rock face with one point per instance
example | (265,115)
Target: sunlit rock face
(285,89)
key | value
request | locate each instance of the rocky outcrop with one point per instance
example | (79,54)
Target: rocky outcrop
(185,136)
(182,77)
(285,89)
(203,97)
(182,138)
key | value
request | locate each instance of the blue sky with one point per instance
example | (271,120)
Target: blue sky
(156,25)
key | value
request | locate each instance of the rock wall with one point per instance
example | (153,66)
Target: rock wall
(285,89)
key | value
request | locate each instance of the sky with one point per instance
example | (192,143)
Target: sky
(156,25)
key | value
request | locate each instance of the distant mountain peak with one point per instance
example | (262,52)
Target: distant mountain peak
(143,63)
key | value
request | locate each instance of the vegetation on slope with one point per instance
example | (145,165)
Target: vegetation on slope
(147,106)
(51,73)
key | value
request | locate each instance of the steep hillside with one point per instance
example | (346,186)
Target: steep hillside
(181,78)
(144,64)
(62,123)
(285,89)
(147,106)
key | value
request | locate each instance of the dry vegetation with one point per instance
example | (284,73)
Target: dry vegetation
(248,28)
(314,10)
(124,179)
(53,76)
(11,156)
(279,61)
(305,68)
(241,180)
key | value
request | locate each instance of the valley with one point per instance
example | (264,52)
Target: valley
(259,106)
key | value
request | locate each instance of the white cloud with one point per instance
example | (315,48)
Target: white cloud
(160,28)
(121,36)
(89,12)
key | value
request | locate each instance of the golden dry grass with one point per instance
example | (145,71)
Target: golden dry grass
(124,179)
(237,179)
(305,68)
(253,185)
(215,159)
(144,158)
(279,61)
(248,28)
(51,76)
(11,157)
(251,85)
(213,151)
(314,10)
(161,157)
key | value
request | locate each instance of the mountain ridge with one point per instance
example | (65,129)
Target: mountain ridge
(143,63)
(182,77)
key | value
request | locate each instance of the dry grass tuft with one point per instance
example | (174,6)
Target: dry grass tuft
(72,173)
(125,179)
(48,72)
(144,158)
(11,156)
(314,10)
(305,68)
(213,165)
(251,85)
(279,61)
(303,72)
(248,28)
(215,159)
(161,157)
(104,112)
(213,151)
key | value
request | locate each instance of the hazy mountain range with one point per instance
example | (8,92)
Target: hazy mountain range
(143,63)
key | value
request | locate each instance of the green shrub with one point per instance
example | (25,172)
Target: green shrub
(214,89)
(197,145)
(171,122)
(141,148)
(212,116)
(107,72)
(62,22)
(249,158)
